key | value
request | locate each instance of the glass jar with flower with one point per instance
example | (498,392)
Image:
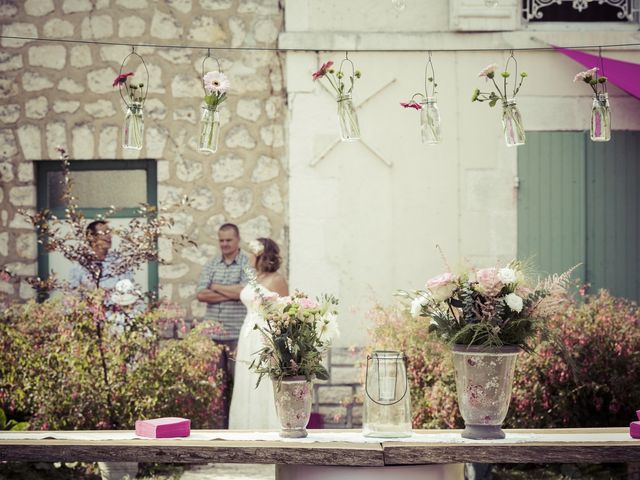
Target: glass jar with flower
(297,331)
(216,84)
(136,94)
(600,130)
(488,316)
(347,116)
(512,126)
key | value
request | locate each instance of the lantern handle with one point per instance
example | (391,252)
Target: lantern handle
(366,382)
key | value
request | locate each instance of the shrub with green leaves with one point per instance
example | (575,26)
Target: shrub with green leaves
(68,363)
(601,335)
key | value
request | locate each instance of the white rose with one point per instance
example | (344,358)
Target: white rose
(507,275)
(514,302)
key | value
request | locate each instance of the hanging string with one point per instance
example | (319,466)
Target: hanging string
(281,49)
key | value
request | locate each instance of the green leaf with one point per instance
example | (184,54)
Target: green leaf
(3,419)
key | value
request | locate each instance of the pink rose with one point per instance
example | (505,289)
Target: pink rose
(442,286)
(488,280)
(307,303)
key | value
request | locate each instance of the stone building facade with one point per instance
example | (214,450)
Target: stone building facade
(56,93)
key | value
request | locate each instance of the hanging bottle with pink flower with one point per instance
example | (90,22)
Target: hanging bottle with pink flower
(430,128)
(215,85)
(512,124)
(133,127)
(600,129)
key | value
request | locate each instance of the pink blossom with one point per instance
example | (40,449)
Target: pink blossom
(442,286)
(585,76)
(322,71)
(5,276)
(415,105)
(488,280)
(307,303)
(488,71)
(120,79)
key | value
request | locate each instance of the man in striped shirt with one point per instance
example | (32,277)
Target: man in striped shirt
(220,284)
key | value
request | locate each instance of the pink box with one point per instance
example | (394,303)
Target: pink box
(634,427)
(166,427)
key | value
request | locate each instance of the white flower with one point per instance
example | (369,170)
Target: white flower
(514,302)
(124,286)
(256,247)
(327,328)
(507,275)
(216,82)
(124,293)
(417,304)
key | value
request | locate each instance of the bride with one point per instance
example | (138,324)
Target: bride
(253,408)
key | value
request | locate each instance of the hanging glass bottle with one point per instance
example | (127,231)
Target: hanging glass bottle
(430,122)
(133,127)
(601,118)
(349,127)
(512,124)
(209,129)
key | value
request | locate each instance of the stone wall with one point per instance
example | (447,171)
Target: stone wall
(61,94)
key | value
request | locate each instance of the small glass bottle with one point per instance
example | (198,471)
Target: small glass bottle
(349,127)
(512,124)
(601,118)
(209,129)
(133,128)
(430,122)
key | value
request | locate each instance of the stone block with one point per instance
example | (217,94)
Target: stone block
(27,246)
(156,139)
(182,223)
(176,56)
(237,201)
(8,88)
(19,221)
(267,168)
(272,135)
(266,31)
(228,168)
(65,106)
(214,222)
(131,27)
(172,272)
(186,86)
(164,170)
(206,29)
(198,309)
(259,226)
(100,81)
(156,85)
(334,415)
(30,140)
(4,215)
(216,4)
(37,108)
(165,249)
(76,6)
(38,8)
(274,107)
(272,199)
(165,292)
(6,172)
(70,86)
(10,61)
(26,291)
(165,26)
(183,6)
(58,28)
(56,134)
(169,196)
(238,31)
(17,29)
(195,255)
(100,109)
(32,82)
(239,136)
(7,287)
(259,7)
(330,394)
(9,113)
(83,141)
(187,114)
(133,4)
(25,172)
(155,109)
(189,170)
(346,356)
(115,54)
(80,56)
(4,244)
(1,195)
(201,199)
(345,375)
(8,144)
(249,108)
(23,196)
(188,290)
(96,27)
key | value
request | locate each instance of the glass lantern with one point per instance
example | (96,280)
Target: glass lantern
(209,129)
(387,402)
(349,127)
(512,124)
(601,118)
(430,122)
(133,128)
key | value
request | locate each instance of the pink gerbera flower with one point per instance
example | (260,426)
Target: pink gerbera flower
(120,79)
(415,105)
(323,70)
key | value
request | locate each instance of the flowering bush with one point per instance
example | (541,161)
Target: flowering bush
(489,307)
(489,73)
(601,334)
(216,85)
(336,79)
(591,78)
(297,331)
(67,364)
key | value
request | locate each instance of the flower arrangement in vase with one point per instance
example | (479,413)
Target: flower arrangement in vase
(349,126)
(511,119)
(297,331)
(488,316)
(133,129)
(216,84)
(600,130)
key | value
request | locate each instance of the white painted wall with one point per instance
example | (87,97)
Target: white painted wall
(361,229)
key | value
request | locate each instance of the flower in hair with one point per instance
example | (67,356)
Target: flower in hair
(256,247)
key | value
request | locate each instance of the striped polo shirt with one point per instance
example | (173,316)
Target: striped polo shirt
(230,313)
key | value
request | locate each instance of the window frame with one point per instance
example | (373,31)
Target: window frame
(44,167)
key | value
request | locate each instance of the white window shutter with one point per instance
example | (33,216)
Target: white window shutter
(476,15)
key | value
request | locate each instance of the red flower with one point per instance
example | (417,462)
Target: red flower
(120,79)
(323,70)
(415,105)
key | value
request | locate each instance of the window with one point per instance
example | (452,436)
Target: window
(580,11)
(98,185)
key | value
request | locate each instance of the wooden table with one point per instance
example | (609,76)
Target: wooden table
(587,446)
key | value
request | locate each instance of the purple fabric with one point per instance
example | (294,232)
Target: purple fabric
(624,75)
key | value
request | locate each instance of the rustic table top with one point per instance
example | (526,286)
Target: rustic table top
(323,447)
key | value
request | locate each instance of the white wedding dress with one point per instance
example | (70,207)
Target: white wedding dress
(251,408)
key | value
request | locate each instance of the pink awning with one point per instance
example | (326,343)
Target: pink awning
(624,75)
